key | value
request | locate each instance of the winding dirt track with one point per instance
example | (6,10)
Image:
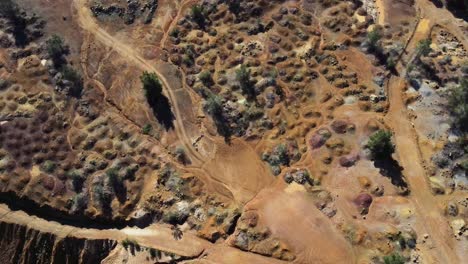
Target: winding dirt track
(87,22)
(408,151)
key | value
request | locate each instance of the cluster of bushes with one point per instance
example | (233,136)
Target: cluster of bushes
(214,107)
(57,51)
(281,155)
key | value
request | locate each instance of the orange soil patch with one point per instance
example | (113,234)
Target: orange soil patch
(291,216)
(240,169)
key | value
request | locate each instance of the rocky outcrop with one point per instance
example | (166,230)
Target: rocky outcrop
(21,244)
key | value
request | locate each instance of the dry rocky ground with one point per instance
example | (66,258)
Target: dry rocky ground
(263,151)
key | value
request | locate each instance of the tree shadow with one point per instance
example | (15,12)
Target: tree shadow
(163,113)
(120,191)
(459,9)
(390,168)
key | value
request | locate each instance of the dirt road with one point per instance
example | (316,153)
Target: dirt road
(87,22)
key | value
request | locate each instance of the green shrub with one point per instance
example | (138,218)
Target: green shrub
(282,152)
(394,258)
(56,49)
(49,166)
(423,48)
(373,38)
(458,105)
(174,33)
(380,144)
(146,129)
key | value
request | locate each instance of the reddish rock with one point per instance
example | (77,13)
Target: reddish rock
(48,182)
(339,126)
(349,160)
(319,138)
(363,200)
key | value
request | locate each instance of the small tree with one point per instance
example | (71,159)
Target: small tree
(373,38)
(458,105)
(214,107)
(282,152)
(246,84)
(380,144)
(198,16)
(56,49)
(423,48)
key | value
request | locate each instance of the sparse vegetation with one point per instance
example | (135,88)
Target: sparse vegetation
(380,144)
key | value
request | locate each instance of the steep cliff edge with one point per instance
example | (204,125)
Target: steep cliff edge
(28,239)
(22,244)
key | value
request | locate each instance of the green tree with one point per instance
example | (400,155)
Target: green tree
(205,78)
(394,258)
(153,90)
(246,84)
(198,16)
(56,49)
(458,105)
(380,144)
(214,107)
(373,38)
(423,48)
